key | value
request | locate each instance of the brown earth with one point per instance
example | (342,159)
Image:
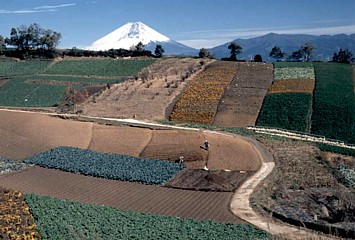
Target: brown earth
(151,96)
(243,98)
(293,85)
(303,188)
(171,144)
(120,140)
(124,195)
(3,81)
(201,180)
(231,153)
(335,160)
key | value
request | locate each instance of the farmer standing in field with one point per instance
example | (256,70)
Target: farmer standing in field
(206,144)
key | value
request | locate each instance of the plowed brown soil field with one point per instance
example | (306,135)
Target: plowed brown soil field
(243,98)
(123,195)
(172,144)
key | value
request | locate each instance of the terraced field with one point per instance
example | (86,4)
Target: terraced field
(242,100)
(43,83)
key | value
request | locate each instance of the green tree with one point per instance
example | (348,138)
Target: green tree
(307,50)
(235,50)
(33,37)
(204,53)
(297,55)
(139,47)
(343,56)
(277,53)
(159,50)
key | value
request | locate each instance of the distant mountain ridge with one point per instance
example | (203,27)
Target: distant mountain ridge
(325,45)
(130,34)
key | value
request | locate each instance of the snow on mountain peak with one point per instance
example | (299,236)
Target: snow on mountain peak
(127,36)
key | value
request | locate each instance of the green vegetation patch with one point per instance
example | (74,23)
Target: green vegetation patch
(293,73)
(335,149)
(61,219)
(348,175)
(334,102)
(106,67)
(18,93)
(106,165)
(11,69)
(293,64)
(74,79)
(286,110)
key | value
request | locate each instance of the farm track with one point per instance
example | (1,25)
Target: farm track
(124,195)
(243,98)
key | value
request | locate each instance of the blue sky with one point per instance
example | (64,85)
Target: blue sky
(197,23)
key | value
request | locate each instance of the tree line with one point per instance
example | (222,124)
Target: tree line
(304,54)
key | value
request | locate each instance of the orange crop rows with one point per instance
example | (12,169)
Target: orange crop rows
(199,102)
(16,221)
(293,85)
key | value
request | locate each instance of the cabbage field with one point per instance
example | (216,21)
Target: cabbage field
(106,165)
(62,219)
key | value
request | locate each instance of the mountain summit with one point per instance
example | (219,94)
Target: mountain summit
(130,34)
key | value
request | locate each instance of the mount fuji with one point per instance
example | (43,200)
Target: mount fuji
(130,34)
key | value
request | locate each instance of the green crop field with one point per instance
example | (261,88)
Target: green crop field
(43,83)
(106,67)
(286,110)
(293,64)
(10,69)
(334,102)
(61,219)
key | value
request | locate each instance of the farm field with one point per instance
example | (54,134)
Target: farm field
(151,95)
(200,100)
(43,83)
(126,225)
(288,104)
(243,98)
(334,116)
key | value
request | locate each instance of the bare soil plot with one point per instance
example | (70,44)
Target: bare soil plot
(231,153)
(171,144)
(242,100)
(123,195)
(24,134)
(119,140)
(201,180)
(150,96)
(3,81)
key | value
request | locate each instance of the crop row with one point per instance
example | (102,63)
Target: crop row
(334,102)
(286,110)
(293,64)
(7,166)
(61,219)
(105,165)
(15,218)
(11,69)
(293,73)
(293,85)
(200,100)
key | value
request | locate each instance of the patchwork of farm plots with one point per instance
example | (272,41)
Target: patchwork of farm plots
(288,104)
(43,83)
(200,100)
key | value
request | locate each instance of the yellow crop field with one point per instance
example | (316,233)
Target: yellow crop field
(293,86)
(199,102)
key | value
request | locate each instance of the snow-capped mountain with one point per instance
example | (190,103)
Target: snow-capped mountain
(130,34)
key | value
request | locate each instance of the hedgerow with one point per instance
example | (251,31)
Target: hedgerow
(62,219)
(334,149)
(334,102)
(106,165)
(286,110)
